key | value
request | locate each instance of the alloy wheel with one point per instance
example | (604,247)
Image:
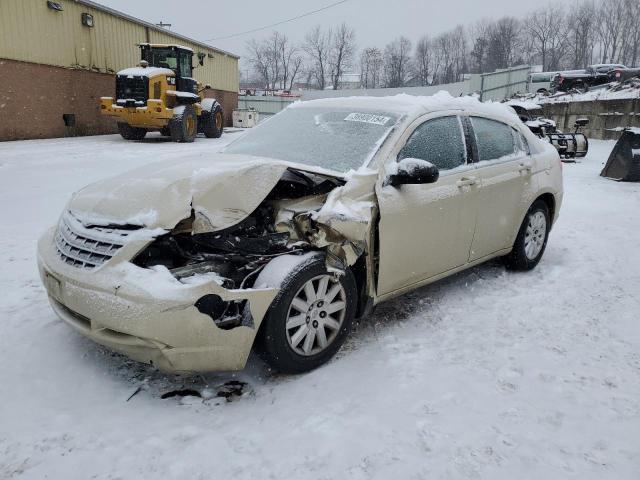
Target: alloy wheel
(535,235)
(316,315)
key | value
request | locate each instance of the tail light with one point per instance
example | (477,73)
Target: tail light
(618,74)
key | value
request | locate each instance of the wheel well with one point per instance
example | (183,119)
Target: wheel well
(550,201)
(359,270)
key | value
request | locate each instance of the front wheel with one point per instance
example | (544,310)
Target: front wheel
(184,125)
(532,238)
(309,319)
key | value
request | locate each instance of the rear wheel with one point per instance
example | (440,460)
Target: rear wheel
(184,127)
(531,240)
(213,122)
(309,319)
(131,133)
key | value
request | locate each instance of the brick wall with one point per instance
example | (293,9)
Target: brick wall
(34,98)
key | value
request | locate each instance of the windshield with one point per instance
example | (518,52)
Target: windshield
(332,138)
(162,57)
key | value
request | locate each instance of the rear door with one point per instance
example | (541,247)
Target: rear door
(426,230)
(504,170)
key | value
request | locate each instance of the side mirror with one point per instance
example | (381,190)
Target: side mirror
(413,171)
(582,122)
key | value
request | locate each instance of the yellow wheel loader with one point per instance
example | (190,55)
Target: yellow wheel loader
(160,95)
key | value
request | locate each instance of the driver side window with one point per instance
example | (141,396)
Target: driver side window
(439,141)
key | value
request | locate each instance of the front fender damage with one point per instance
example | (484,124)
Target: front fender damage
(303,212)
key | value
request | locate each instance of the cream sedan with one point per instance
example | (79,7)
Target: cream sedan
(301,225)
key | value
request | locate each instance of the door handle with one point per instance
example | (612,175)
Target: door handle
(466,181)
(525,167)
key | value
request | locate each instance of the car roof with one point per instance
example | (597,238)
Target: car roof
(411,105)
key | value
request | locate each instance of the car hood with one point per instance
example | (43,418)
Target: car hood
(221,189)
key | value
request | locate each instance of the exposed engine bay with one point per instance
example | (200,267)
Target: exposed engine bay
(281,225)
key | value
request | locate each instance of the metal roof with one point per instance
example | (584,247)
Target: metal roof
(152,26)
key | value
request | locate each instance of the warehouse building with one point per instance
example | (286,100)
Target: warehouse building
(57,58)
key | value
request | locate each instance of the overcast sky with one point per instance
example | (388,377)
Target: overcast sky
(376,22)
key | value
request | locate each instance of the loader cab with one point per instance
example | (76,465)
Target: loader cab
(175,58)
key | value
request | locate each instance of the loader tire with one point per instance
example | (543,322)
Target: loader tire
(213,122)
(131,133)
(184,127)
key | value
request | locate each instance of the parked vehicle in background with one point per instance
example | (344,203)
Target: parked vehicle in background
(540,82)
(161,95)
(623,74)
(302,225)
(582,80)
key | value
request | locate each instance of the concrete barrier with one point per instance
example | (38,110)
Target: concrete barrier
(604,116)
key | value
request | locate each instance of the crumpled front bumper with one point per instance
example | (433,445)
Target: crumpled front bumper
(122,307)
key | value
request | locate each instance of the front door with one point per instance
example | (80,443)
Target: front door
(426,230)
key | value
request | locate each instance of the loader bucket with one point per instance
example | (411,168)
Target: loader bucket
(624,161)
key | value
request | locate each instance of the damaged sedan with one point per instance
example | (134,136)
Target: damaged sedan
(297,229)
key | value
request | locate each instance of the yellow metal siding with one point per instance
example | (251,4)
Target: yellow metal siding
(31,32)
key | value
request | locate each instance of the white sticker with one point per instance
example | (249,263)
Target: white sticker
(367,118)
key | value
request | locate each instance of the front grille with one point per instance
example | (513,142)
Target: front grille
(132,88)
(87,247)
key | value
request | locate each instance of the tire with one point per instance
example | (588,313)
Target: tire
(277,344)
(213,122)
(165,132)
(131,133)
(531,242)
(184,127)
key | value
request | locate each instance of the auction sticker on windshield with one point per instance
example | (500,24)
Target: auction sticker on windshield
(367,118)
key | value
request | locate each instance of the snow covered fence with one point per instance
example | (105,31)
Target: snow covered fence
(606,117)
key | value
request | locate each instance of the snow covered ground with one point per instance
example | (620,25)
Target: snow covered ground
(489,374)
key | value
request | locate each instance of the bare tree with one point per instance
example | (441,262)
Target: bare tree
(547,28)
(610,23)
(295,67)
(582,29)
(459,44)
(504,43)
(318,47)
(423,60)
(631,38)
(480,45)
(397,60)
(342,49)
(371,67)
(290,61)
(261,60)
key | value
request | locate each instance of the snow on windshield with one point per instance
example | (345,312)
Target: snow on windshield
(333,138)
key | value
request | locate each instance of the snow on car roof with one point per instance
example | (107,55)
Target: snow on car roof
(145,72)
(412,105)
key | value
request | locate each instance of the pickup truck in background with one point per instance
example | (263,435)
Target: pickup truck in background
(582,80)
(623,74)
